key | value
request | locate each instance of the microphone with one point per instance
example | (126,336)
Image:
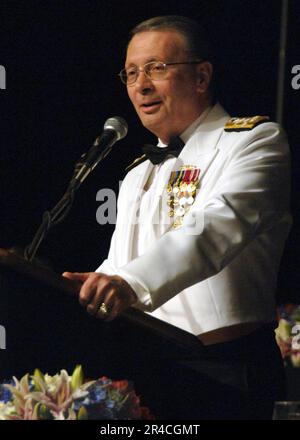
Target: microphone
(115,128)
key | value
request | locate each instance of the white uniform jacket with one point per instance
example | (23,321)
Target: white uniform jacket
(220,267)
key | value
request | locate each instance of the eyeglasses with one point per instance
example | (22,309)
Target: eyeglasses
(155,70)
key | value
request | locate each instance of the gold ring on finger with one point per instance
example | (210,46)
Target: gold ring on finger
(103,310)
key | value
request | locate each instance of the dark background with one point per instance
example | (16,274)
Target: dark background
(61,60)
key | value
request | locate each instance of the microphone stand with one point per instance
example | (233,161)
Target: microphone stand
(50,219)
(56,215)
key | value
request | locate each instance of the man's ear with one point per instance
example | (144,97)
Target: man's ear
(204,75)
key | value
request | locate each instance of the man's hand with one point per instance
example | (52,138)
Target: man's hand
(98,289)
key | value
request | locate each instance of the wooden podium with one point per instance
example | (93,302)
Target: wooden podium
(46,328)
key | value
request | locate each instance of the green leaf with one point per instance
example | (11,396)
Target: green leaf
(82,414)
(283,331)
(37,378)
(44,413)
(77,377)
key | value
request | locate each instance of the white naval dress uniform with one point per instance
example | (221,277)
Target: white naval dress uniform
(216,271)
(220,267)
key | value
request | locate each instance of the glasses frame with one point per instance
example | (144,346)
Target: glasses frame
(142,69)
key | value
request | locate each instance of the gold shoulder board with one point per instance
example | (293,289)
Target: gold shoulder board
(136,162)
(241,124)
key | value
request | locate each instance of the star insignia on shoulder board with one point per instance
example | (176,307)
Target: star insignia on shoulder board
(243,124)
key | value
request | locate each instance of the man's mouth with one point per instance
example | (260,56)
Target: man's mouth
(150,106)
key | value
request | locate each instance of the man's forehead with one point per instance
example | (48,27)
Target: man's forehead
(152,45)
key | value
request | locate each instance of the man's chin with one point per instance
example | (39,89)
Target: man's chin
(152,126)
(152,121)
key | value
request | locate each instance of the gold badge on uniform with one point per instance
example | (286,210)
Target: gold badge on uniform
(242,124)
(181,190)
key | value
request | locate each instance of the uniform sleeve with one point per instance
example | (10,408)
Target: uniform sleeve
(107,265)
(109,268)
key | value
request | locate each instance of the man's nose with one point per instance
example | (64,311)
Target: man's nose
(143,82)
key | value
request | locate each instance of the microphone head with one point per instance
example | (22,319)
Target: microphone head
(118,125)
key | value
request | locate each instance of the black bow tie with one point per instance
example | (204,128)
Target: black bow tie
(158,154)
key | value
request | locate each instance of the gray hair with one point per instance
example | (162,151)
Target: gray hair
(198,43)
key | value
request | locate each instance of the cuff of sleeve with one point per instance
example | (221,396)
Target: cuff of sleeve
(106,268)
(144,297)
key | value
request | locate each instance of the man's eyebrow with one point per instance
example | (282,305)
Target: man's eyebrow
(147,61)
(130,65)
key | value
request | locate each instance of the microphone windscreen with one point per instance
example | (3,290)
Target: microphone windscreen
(117,124)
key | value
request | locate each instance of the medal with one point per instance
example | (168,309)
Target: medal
(181,190)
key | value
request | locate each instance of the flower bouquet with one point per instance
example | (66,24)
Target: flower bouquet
(64,397)
(288,333)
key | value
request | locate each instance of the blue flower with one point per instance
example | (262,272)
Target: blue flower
(97,393)
(5,394)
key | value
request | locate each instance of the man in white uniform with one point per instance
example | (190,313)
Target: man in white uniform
(200,230)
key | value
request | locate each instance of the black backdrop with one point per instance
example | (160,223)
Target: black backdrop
(61,60)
